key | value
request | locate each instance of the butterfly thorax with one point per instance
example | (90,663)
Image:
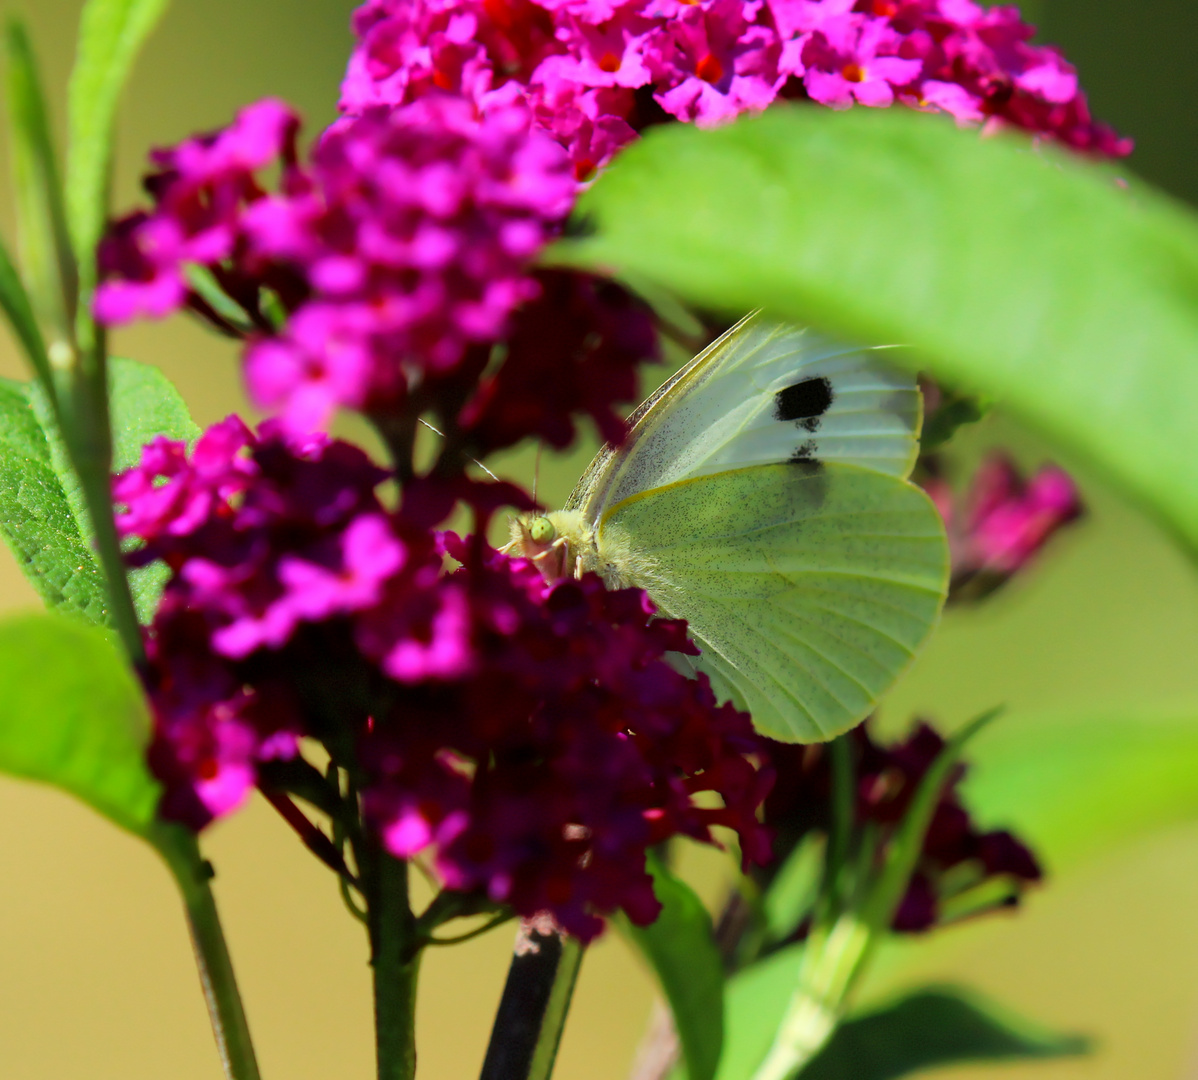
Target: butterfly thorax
(563,544)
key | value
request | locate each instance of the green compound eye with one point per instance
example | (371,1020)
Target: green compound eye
(541,530)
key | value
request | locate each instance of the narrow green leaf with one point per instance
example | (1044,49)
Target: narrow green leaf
(45,250)
(680,948)
(72,715)
(1021,273)
(111,33)
(933,1027)
(795,888)
(902,852)
(15,302)
(36,519)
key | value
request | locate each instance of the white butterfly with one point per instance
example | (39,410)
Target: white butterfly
(761,495)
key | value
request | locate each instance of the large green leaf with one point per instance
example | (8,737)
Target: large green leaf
(1073,784)
(111,33)
(680,948)
(36,519)
(72,715)
(933,1027)
(43,516)
(144,405)
(1022,273)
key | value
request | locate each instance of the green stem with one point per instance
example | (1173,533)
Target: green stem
(83,416)
(229,1025)
(832,960)
(396,962)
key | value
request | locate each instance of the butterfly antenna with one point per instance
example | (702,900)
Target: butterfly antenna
(475,460)
(536,470)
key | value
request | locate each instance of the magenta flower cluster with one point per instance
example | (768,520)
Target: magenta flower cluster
(404,244)
(596,72)
(1003,522)
(528,737)
(962,870)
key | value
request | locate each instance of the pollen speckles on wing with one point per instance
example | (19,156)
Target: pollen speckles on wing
(805,402)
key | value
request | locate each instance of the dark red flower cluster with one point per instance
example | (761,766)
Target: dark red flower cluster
(962,869)
(529,736)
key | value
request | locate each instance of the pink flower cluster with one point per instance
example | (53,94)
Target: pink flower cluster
(398,256)
(596,72)
(1004,523)
(201,188)
(959,865)
(530,738)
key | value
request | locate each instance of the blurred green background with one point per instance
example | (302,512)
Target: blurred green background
(96,977)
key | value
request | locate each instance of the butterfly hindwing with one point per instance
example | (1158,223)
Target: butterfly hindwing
(809,589)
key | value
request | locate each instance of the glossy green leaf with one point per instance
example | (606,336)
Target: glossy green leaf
(1021,273)
(47,261)
(111,33)
(144,405)
(72,715)
(36,519)
(43,516)
(680,948)
(933,1027)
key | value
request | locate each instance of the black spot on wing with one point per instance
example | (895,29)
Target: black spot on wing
(805,402)
(805,455)
(810,479)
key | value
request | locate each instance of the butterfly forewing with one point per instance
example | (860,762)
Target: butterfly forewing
(809,589)
(764,393)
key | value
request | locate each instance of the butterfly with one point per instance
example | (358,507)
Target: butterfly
(762,495)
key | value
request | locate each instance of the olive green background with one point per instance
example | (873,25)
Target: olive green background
(96,977)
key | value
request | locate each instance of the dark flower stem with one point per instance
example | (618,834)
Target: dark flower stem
(395,958)
(193,874)
(536,998)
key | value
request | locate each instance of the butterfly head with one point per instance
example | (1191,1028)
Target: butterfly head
(552,541)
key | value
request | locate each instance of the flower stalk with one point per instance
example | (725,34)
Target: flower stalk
(395,958)
(193,874)
(832,961)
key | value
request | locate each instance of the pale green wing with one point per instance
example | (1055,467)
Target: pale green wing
(762,394)
(809,589)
